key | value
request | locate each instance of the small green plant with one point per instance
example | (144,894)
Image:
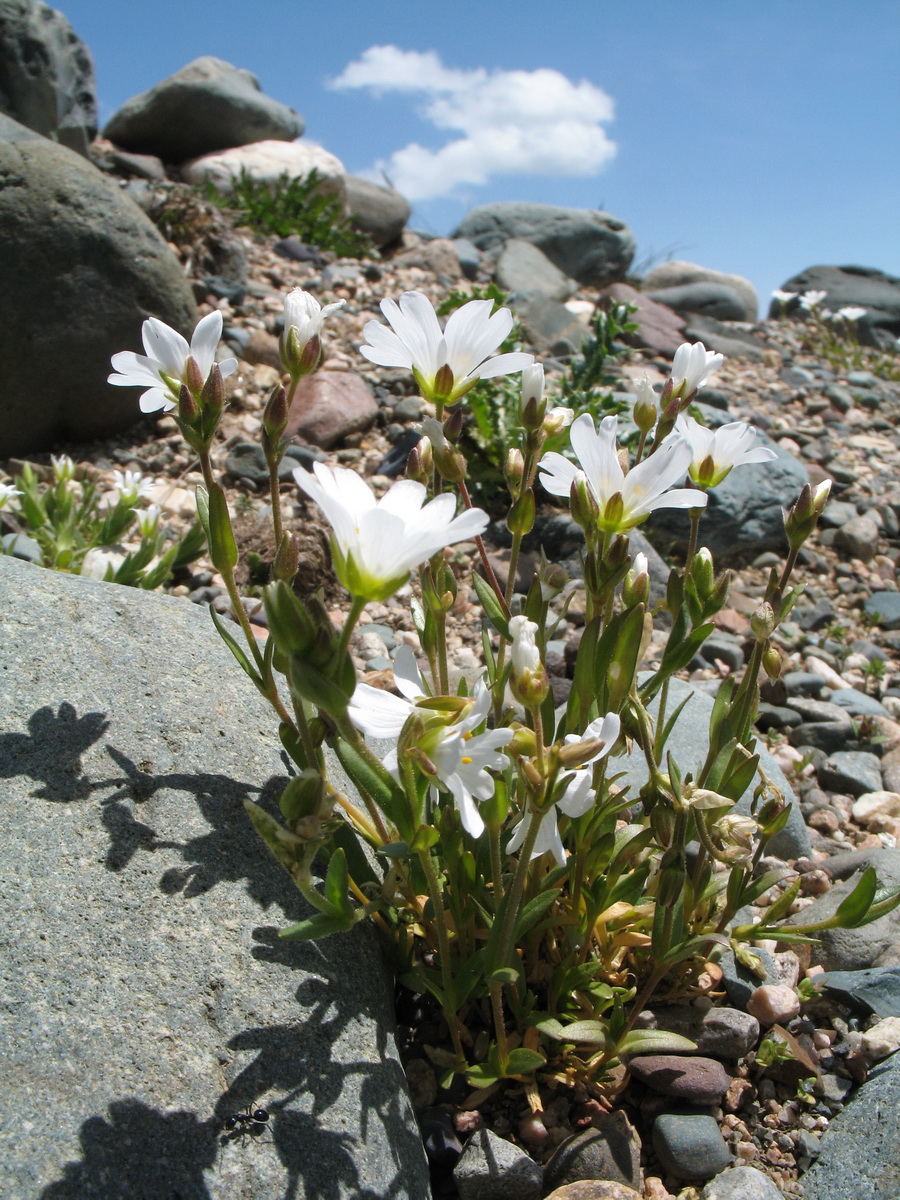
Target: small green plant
(291,205)
(835,335)
(76,532)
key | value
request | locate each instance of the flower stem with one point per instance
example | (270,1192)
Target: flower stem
(437,903)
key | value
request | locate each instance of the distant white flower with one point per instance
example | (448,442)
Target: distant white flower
(624,500)
(164,366)
(810,299)
(462,758)
(148,520)
(63,468)
(717,451)
(132,485)
(376,543)
(692,367)
(8,494)
(448,363)
(852,312)
(303,317)
(784,297)
(576,800)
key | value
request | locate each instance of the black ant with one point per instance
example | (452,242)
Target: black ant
(250,1123)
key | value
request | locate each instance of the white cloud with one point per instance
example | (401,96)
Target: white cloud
(512,122)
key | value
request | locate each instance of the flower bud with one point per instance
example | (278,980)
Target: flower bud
(287,558)
(453,426)
(534,406)
(636,587)
(582,504)
(275,414)
(644,413)
(514,470)
(802,519)
(192,376)
(212,399)
(553,578)
(528,678)
(188,410)
(772,662)
(303,797)
(762,622)
(703,573)
(556,420)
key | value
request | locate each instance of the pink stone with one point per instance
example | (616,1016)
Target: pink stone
(773,1004)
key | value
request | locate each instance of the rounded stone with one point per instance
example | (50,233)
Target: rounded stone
(594,1189)
(611,1151)
(696,1080)
(774,1004)
(690,1145)
(741,1183)
(83,268)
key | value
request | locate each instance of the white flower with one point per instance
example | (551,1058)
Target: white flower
(303,317)
(692,367)
(810,299)
(852,312)
(524,653)
(784,297)
(576,800)
(164,366)
(445,364)
(532,383)
(63,468)
(376,543)
(132,485)
(624,500)
(462,759)
(7,492)
(717,451)
(148,520)
(558,419)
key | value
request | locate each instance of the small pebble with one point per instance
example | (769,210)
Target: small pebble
(774,1004)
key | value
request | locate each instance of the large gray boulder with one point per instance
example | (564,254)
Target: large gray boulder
(717,300)
(681,274)
(378,211)
(866,287)
(207,105)
(590,246)
(145,994)
(82,269)
(860,1158)
(744,514)
(46,74)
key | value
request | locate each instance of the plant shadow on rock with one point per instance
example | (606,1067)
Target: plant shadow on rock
(50,752)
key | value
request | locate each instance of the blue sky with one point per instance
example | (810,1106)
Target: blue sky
(757,138)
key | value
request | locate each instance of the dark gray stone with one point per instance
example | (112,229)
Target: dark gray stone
(885,606)
(874,945)
(773,716)
(493,1169)
(707,299)
(590,246)
(689,743)
(860,1154)
(837,513)
(857,704)
(876,990)
(831,737)
(528,274)
(677,274)
(379,212)
(741,1183)
(610,1152)
(725,647)
(146,996)
(803,683)
(690,1145)
(852,772)
(206,106)
(550,327)
(46,74)
(866,287)
(82,269)
(721,1032)
(469,257)
(20,545)
(741,982)
(744,513)
(724,338)
(859,538)
(818,710)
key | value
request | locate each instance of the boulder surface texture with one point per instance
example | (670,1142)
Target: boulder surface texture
(146,997)
(592,247)
(82,269)
(46,74)
(207,105)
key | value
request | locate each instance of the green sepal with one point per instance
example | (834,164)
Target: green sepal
(375,780)
(222,546)
(336,883)
(280,841)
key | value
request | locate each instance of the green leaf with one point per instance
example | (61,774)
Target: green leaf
(336,883)
(236,649)
(654,1041)
(491,605)
(319,925)
(589,1033)
(524,1062)
(508,976)
(482,1076)
(376,782)
(277,838)
(853,908)
(532,912)
(424,838)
